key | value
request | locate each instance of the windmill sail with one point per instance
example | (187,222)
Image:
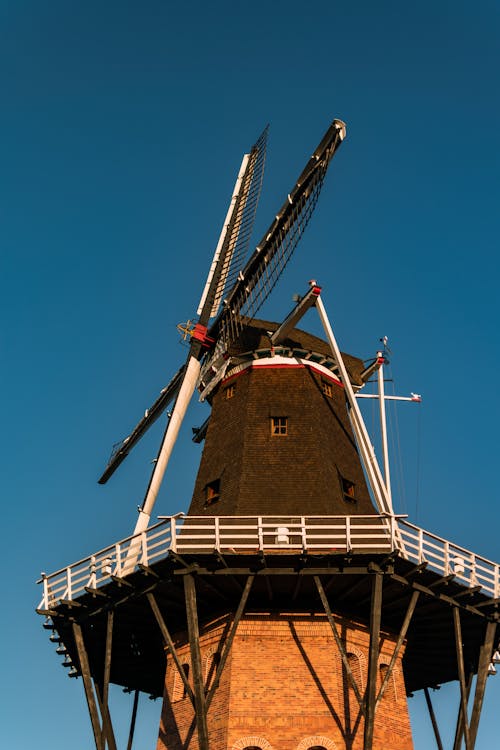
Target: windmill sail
(232,247)
(251,287)
(267,263)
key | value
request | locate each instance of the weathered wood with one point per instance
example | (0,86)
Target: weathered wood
(194,646)
(375,618)
(482,675)
(87,684)
(132,721)
(433,719)
(107,733)
(338,641)
(170,645)
(399,643)
(107,656)
(459,729)
(461,675)
(229,641)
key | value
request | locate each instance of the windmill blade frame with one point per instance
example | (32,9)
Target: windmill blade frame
(272,254)
(228,257)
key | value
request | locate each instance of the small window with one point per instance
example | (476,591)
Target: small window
(212,492)
(229,391)
(179,690)
(348,490)
(279,425)
(327,388)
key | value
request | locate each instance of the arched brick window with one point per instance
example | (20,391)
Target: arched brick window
(178,690)
(254,742)
(354,660)
(210,663)
(390,688)
(317,742)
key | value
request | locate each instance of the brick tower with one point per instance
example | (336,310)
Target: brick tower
(279,445)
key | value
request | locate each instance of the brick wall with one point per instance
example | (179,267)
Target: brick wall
(284,685)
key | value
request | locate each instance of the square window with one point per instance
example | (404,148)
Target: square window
(348,490)
(279,425)
(327,388)
(212,492)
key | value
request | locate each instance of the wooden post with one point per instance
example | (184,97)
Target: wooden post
(170,645)
(461,675)
(229,642)
(459,729)
(132,721)
(375,617)
(194,645)
(87,684)
(433,718)
(339,643)
(400,641)
(482,675)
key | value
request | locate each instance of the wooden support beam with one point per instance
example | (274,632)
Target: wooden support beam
(338,641)
(229,641)
(433,719)
(102,697)
(194,646)
(132,721)
(459,729)
(107,655)
(482,675)
(87,684)
(399,643)
(461,675)
(170,645)
(375,618)
(107,733)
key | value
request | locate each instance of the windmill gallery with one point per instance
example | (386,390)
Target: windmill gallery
(289,607)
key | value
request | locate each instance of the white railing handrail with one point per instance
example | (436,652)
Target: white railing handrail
(195,534)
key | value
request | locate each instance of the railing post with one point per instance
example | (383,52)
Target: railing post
(68,581)
(118,559)
(473,578)
(45,591)
(217,533)
(173,535)
(144,545)
(420,545)
(446,558)
(303,532)
(260,533)
(393,534)
(348,545)
(93,573)
(496,582)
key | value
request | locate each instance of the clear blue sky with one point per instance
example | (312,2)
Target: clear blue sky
(122,126)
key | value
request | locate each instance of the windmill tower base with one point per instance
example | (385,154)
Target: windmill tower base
(285,686)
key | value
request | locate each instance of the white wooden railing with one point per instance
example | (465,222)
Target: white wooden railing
(273,535)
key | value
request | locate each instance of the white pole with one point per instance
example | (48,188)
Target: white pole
(383,424)
(366,448)
(182,402)
(222,237)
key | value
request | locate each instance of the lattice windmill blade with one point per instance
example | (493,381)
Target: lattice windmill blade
(122,449)
(229,255)
(267,263)
(232,247)
(252,288)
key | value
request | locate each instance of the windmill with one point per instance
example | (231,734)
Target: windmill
(290,607)
(249,287)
